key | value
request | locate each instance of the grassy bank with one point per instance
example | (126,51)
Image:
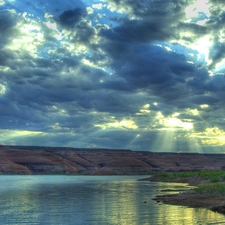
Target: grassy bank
(210,182)
(217,189)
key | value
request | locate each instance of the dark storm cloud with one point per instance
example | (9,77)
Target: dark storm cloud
(217,52)
(191,117)
(216,84)
(16,115)
(164,20)
(153,69)
(7,20)
(7,56)
(81,31)
(200,100)
(84,33)
(46,73)
(147,66)
(142,31)
(70,18)
(150,67)
(118,83)
(47,90)
(153,24)
(152,20)
(7,23)
(112,102)
(196,29)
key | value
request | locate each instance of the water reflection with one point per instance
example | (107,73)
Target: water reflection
(92,201)
(121,203)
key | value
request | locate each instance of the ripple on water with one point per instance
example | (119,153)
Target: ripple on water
(93,200)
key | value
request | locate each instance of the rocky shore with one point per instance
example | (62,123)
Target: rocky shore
(190,198)
(56,160)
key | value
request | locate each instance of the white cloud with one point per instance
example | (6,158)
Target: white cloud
(123,124)
(211,136)
(172,122)
(2,89)
(97,6)
(89,10)
(192,11)
(28,36)
(2,2)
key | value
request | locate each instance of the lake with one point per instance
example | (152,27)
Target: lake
(93,200)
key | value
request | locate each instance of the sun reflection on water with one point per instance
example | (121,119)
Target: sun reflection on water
(97,200)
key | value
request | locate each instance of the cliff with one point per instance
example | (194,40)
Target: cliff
(48,160)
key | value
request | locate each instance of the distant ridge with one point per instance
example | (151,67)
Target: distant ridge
(62,148)
(25,147)
(93,161)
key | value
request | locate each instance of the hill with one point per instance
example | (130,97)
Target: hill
(59,160)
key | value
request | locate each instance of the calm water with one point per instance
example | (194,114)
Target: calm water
(92,200)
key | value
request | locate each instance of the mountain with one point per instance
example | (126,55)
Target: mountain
(59,160)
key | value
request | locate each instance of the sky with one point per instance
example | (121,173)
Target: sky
(145,75)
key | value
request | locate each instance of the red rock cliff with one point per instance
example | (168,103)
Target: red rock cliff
(45,160)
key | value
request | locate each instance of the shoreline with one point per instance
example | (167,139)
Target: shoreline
(190,198)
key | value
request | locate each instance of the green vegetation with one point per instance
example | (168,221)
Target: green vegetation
(212,176)
(213,189)
(214,184)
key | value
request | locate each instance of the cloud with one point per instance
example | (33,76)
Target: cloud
(70,18)
(148,8)
(2,3)
(139,31)
(130,74)
(151,20)
(170,21)
(195,29)
(8,22)
(217,52)
(153,68)
(211,136)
